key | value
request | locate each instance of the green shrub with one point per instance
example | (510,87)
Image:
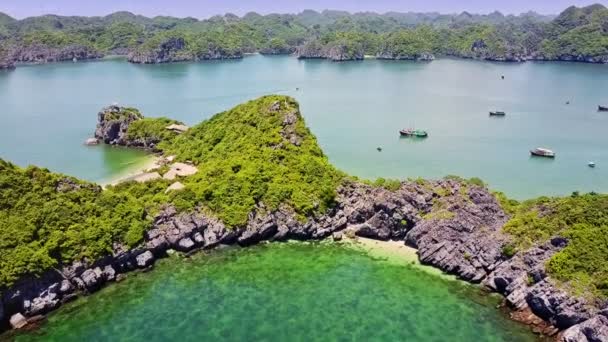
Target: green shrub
(509,250)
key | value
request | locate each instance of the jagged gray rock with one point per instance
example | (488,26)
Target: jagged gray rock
(174,49)
(39,53)
(113,123)
(145,259)
(336,51)
(456,227)
(592,330)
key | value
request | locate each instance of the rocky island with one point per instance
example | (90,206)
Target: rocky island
(538,254)
(576,34)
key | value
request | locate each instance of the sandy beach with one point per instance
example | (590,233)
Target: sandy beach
(394,251)
(149,163)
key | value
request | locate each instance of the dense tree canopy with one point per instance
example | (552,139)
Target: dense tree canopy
(581,33)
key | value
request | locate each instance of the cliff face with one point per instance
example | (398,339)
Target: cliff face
(460,235)
(39,53)
(6,63)
(175,49)
(113,123)
(423,56)
(336,52)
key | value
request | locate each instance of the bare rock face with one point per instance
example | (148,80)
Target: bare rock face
(175,49)
(113,123)
(170,50)
(336,52)
(592,330)
(456,227)
(18,321)
(422,56)
(6,63)
(39,53)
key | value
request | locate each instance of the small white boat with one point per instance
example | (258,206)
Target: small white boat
(591,164)
(542,152)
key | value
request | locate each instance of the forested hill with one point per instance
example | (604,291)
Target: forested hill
(577,34)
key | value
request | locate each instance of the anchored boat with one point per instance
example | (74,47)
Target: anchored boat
(409,132)
(602,109)
(542,152)
(498,113)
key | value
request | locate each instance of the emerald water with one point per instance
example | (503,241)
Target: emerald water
(283,292)
(353,108)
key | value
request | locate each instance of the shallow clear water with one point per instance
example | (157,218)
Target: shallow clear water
(48,111)
(283,292)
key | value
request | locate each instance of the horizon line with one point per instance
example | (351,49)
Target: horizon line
(291,13)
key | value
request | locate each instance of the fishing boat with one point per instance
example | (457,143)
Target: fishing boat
(602,109)
(498,113)
(591,164)
(410,132)
(542,152)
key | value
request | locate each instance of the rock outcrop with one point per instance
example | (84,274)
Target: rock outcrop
(113,123)
(456,227)
(283,50)
(175,49)
(592,330)
(422,56)
(336,52)
(39,53)
(6,64)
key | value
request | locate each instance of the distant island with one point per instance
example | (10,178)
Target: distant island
(256,173)
(577,34)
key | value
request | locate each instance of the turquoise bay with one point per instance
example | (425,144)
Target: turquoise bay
(283,292)
(353,108)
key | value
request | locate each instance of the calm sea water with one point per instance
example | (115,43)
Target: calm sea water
(353,108)
(286,292)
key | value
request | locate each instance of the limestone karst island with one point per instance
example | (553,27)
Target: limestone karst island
(324,171)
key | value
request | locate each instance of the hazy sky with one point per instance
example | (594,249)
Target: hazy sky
(206,8)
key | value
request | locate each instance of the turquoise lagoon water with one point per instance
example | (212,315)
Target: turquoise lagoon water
(353,108)
(283,292)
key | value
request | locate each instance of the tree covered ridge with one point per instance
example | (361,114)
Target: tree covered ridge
(47,219)
(576,34)
(256,156)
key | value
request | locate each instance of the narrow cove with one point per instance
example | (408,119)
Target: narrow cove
(279,291)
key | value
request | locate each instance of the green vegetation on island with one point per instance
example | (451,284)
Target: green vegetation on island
(258,156)
(47,219)
(581,219)
(577,34)
(258,152)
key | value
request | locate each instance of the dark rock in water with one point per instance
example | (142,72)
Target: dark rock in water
(185,245)
(145,259)
(92,279)
(113,122)
(592,330)
(556,306)
(337,236)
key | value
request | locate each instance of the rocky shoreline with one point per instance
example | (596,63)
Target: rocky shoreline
(173,51)
(467,242)
(455,225)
